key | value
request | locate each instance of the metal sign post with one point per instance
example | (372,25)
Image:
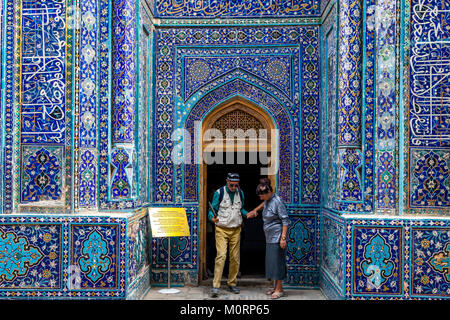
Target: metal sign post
(168,290)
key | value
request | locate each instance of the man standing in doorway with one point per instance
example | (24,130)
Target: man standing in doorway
(228,206)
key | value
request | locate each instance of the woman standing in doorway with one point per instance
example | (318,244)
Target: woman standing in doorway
(276,222)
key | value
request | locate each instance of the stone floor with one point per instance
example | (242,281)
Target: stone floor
(251,289)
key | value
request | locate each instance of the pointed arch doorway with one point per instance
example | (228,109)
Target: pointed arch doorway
(237,136)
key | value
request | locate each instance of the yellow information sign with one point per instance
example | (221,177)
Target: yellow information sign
(168,222)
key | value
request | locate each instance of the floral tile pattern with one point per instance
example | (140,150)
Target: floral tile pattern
(89,104)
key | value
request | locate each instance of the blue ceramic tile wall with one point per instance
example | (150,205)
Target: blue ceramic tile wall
(58,125)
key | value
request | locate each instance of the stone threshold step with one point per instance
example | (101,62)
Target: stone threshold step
(242,282)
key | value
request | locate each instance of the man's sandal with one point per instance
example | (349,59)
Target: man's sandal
(277,294)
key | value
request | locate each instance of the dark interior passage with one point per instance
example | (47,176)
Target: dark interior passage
(252,236)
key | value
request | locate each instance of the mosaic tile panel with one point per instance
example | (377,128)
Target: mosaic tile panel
(177,277)
(88,74)
(114,176)
(30,256)
(95,250)
(377,263)
(123,181)
(310,122)
(145,106)
(349,189)
(430,262)
(124,71)
(43,72)
(61,257)
(366,133)
(41,174)
(122,74)
(303,248)
(236,8)
(301,279)
(227,65)
(96,256)
(303,236)
(386,180)
(43,96)
(349,172)
(329,119)
(138,246)
(333,246)
(349,186)
(426,78)
(123,161)
(329,289)
(140,287)
(167,104)
(350,56)
(429,178)
(88,178)
(429,74)
(85,105)
(375,258)
(385,25)
(8,95)
(104,100)
(368,113)
(200,70)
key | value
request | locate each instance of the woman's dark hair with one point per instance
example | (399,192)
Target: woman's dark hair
(263,189)
(265,181)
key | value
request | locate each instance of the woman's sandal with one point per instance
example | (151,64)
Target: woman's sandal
(270,292)
(277,294)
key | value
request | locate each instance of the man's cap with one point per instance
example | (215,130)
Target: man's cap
(232,176)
